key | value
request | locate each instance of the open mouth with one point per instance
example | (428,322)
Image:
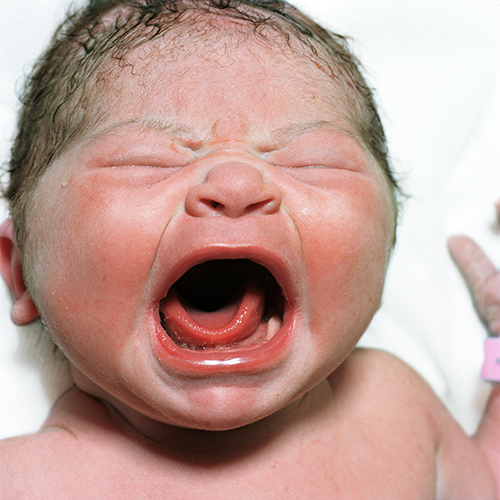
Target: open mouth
(223,304)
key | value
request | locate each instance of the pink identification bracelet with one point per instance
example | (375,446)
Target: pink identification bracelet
(491,365)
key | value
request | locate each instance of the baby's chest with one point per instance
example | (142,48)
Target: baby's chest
(358,472)
(343,483)
(317,469)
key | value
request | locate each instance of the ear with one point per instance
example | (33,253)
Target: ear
(24,310)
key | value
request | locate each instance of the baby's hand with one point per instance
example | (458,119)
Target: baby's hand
(483,278)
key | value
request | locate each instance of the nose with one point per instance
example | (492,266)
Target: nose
(233,189)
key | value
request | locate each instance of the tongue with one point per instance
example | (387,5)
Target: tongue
(235,322)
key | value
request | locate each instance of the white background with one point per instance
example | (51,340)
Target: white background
(435,66)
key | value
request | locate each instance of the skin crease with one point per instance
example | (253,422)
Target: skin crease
(263,167)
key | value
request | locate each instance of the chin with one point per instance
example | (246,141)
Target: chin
(227,408)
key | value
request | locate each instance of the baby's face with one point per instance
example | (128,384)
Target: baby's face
(241,159)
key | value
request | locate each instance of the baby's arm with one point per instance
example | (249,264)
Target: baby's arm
(484,281)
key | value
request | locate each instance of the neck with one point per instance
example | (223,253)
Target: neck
(205,446)
(209,447)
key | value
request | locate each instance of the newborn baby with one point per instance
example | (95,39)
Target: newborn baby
(202,215)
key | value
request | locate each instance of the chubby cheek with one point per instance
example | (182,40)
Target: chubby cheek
(93,251)
(346,257)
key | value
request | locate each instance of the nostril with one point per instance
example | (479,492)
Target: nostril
(270,203)
(212,203)
(199,203)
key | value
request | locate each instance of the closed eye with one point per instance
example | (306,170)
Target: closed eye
(322,150)
(146,162)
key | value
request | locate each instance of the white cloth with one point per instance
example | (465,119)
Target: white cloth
(435,66)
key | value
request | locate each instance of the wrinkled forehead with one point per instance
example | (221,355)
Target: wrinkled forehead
(118,51)
(217,59)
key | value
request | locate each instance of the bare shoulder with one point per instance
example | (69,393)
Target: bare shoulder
(374,364)
(54,459)
(414,420)
(26,459)
(382,382)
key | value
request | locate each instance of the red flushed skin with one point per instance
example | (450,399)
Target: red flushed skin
(191,170)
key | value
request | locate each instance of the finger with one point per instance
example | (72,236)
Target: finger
(472,261)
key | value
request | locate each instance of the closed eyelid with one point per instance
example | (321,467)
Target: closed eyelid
(130,150)
(131,160)
(320,157)
(320,145)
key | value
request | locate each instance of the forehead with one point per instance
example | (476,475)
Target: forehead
(253,82)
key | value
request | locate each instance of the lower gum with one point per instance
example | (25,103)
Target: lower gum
(272,329)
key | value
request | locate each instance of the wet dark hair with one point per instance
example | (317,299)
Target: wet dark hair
(59,103)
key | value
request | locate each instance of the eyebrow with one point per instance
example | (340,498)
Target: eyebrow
(278,137)
(290,132)
(146,124)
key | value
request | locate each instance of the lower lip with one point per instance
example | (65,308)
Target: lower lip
(227,361)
